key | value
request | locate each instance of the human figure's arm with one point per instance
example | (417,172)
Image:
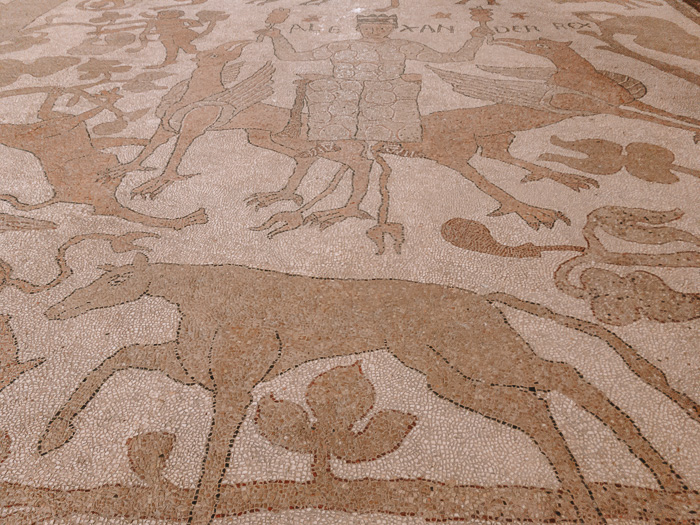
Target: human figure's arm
(284,50)
(466,53)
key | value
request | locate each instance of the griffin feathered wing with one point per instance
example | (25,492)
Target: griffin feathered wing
(515,92)
(252,90)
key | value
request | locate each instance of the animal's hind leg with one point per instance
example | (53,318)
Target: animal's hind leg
(565,379)
(115,209)
(516,407)
(162,358)
(194,125)
(496,147)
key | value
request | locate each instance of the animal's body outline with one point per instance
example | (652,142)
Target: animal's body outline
(73,172)
(452,137)
(214,327)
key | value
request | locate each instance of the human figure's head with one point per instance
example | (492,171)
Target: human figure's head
(376,27)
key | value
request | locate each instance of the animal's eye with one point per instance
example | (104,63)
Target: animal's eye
(119,279)
(214,56)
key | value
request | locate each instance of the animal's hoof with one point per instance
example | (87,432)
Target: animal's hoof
(60,431)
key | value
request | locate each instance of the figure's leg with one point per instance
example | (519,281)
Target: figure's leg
(194,125)
(394,230)
(516,407)
(171,50)
(565,379)
(240,359)
(351,154)
(162,358)
(160,137)
(496,147)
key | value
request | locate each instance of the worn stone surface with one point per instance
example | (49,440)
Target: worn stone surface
(349,262)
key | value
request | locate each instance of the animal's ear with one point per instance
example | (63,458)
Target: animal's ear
(107,267)
(140,260)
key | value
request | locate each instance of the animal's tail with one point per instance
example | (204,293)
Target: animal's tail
(14,201)
(664,117)
(640,366)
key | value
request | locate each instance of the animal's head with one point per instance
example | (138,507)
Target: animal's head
(221,54)
(118,285)
(542,46)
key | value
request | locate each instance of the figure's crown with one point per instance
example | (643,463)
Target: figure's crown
(378,19)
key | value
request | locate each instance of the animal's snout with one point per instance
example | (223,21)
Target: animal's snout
(61,311)
(56,312)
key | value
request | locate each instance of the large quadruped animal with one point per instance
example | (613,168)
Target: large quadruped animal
(240,326)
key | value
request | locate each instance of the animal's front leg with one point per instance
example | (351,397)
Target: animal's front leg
(241,357)
(161,358)
(496,147)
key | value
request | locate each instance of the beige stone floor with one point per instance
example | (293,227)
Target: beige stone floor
(349,262)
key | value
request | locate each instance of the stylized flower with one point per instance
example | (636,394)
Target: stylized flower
(338,399)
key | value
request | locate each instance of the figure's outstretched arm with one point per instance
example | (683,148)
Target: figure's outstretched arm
(466,53)
(284,50)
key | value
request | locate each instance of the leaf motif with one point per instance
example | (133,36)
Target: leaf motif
(135,115)
(659,302)
(110,128)
(613,298)
(285,424)
(148,454)
(639,225)
(340,396)
(384,433)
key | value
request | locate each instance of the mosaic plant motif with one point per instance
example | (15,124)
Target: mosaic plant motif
(330,261)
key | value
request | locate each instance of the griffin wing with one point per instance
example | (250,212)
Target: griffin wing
(249,91)
(513,92)
(172,97)
(230,72)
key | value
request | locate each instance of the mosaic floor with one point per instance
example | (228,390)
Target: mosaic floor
(349,262)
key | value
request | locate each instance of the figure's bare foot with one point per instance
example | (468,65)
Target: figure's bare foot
(152,188)
(575,182)
(532,215)
(198,217)
(393,230)
(328,218)
(265,199)
(291,220)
